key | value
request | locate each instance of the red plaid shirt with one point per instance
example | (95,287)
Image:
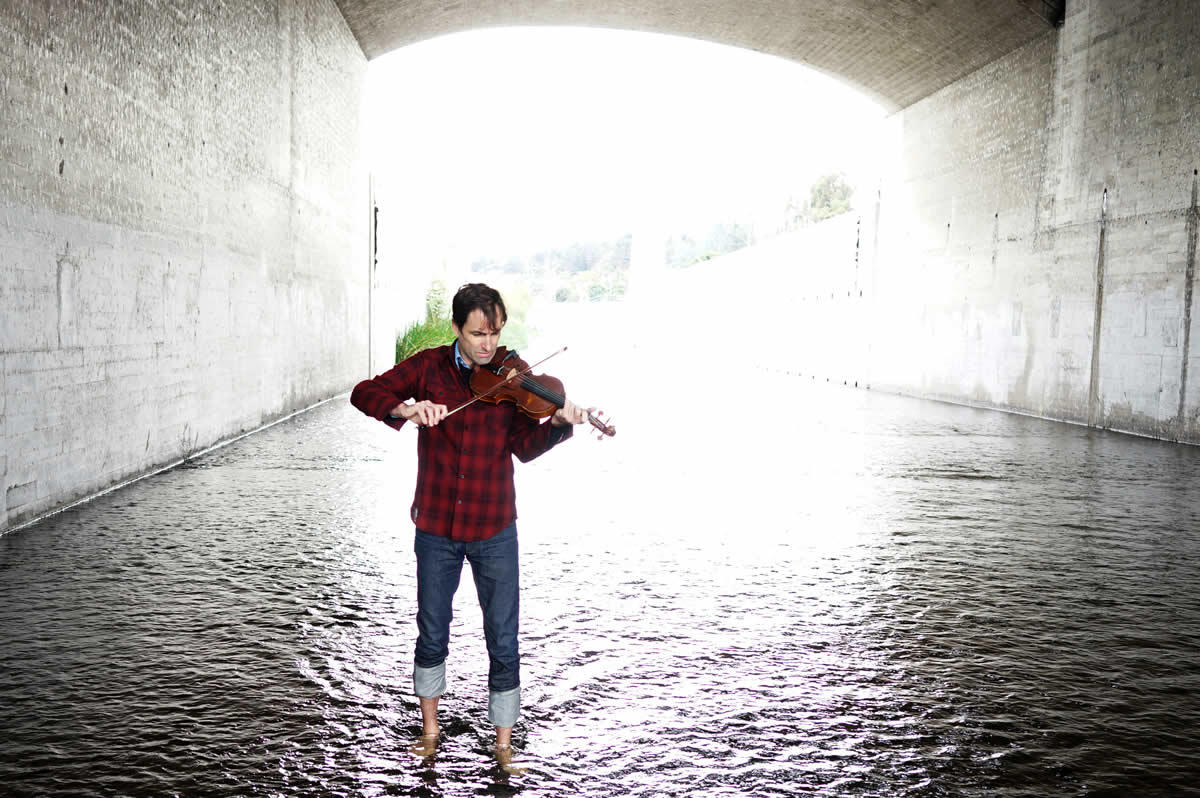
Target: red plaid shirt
(465,485)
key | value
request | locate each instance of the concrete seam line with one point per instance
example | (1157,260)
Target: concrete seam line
(1189,279)
(168,467)
(1095,412)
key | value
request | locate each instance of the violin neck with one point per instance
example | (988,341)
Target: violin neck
(541,391)
(558,400)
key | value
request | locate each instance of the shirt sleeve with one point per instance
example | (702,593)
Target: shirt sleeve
(377,396)
(528,439)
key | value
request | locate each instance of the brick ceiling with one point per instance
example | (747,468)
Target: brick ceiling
(899,51)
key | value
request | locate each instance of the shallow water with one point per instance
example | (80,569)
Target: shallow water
(858,595)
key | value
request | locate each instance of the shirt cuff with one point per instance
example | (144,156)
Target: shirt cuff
(559,434)
(395,422)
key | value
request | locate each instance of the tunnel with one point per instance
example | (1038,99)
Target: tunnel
(185,213)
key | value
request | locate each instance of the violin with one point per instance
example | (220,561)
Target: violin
(507,379)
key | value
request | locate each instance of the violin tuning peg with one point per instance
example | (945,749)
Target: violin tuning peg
(600,435)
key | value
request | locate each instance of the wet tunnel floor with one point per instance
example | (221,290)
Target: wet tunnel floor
(863,595)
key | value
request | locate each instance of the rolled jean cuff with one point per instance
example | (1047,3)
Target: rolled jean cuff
(505,707)
(429,682)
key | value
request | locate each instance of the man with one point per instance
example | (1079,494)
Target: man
(465,502)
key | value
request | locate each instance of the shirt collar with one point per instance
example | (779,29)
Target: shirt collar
(462,364)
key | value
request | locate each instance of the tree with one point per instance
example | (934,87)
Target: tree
(700,244)
(829,197)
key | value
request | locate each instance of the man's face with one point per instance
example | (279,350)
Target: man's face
(477,339)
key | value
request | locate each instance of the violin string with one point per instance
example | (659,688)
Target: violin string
(538,389)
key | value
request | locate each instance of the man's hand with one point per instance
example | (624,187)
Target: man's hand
(425,413)
(570,413)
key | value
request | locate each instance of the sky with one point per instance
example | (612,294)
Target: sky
(510,140)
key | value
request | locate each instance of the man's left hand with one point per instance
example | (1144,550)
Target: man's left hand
(569,413)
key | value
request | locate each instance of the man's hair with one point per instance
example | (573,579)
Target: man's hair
(477,296)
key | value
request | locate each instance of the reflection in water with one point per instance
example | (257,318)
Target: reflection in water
(863,595)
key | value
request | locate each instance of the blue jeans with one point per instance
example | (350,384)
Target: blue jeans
(494,567)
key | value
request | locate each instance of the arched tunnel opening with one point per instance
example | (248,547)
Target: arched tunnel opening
(594,191)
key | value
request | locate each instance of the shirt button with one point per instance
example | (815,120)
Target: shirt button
(460,501)
(462,476)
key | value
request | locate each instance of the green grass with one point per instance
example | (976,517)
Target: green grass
(422,335)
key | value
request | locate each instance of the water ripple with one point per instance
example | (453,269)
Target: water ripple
(886,598)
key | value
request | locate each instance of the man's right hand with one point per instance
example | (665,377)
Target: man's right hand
(425,413)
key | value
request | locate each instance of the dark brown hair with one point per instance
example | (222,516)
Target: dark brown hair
(477,296)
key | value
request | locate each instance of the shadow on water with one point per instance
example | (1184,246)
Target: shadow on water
(863,595)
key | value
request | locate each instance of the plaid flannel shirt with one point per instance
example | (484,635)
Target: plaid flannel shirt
(465,487)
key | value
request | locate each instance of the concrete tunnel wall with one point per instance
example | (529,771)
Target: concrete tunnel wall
(1036,235)
(183,232)
(1032,243)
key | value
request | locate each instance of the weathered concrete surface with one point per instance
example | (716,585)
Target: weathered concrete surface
(899,51)
(1036,239)
(182,232)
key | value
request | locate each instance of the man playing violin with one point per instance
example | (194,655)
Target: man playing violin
(465,501)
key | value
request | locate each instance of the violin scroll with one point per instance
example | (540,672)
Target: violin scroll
(604,429)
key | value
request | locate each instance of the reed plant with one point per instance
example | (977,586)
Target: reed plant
(422,335)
